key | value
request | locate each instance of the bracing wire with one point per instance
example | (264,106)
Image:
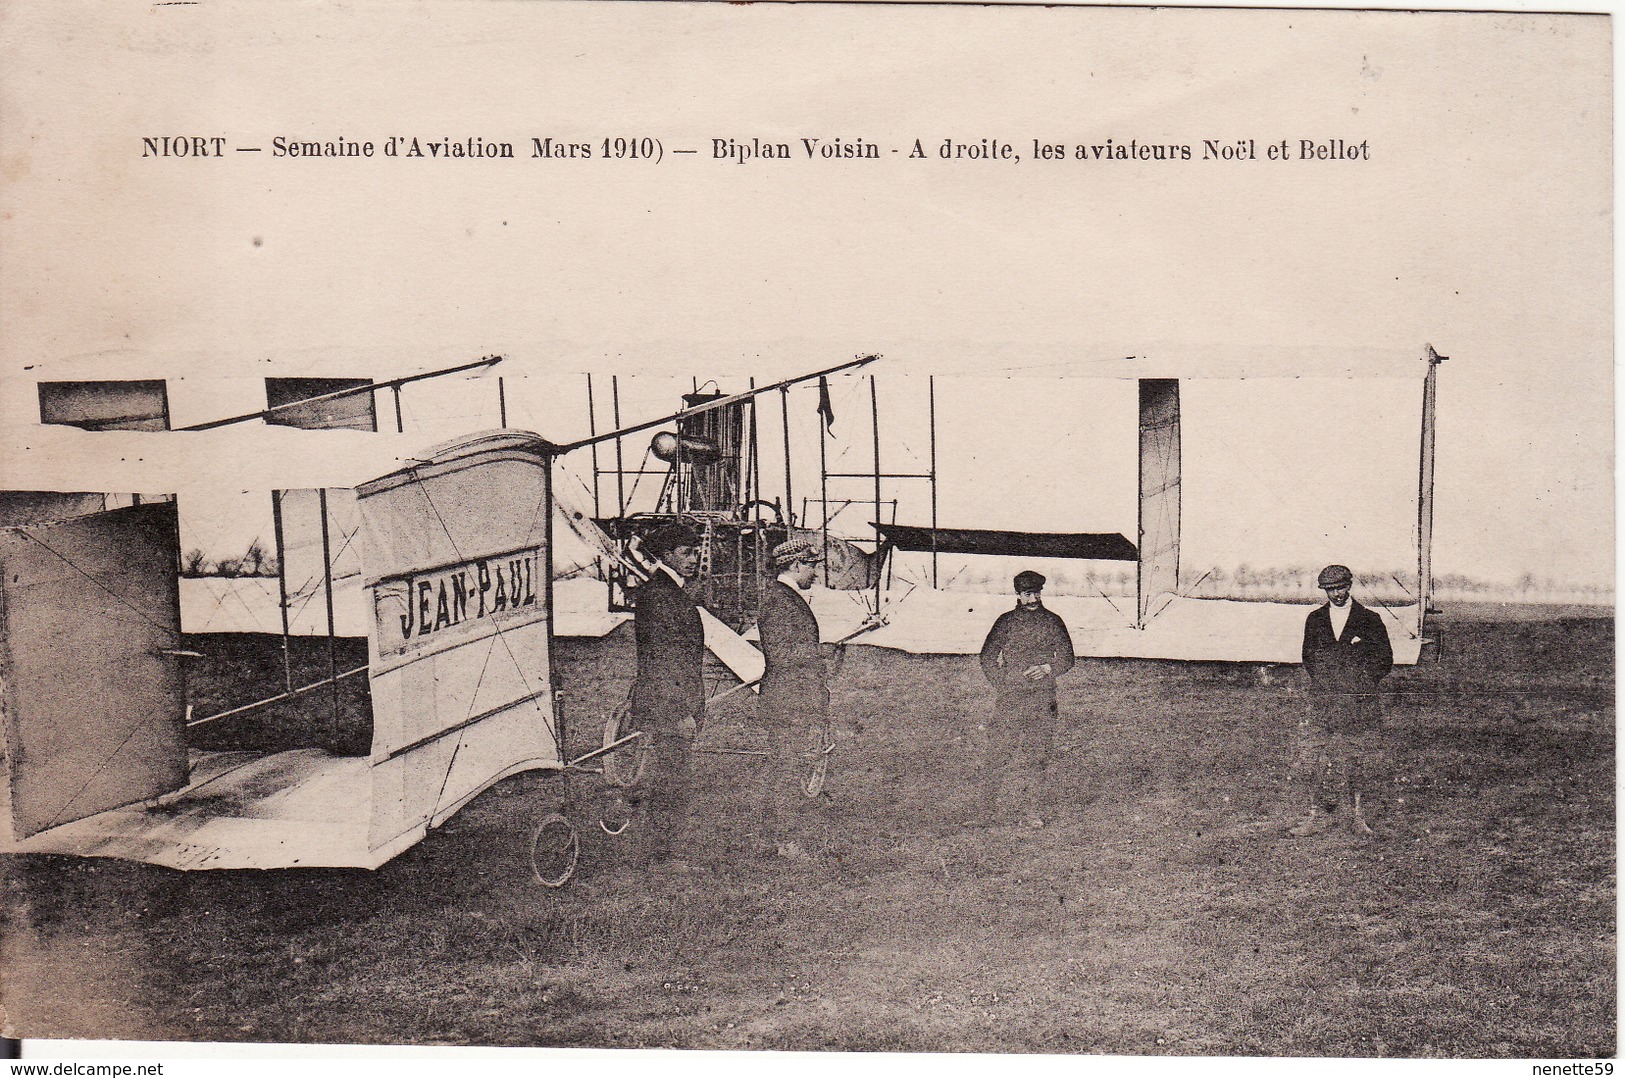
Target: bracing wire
(116,596)
(1403,587)
(445,779)
(307,592)
(1386,609)
(497,629)
(234,593)
(473,699)
(1102,593)
(208,619)
(1183,593)
(139,724)
(638,478)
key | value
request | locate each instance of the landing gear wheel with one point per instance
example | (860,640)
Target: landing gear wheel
(615,817)
(554,849)
(624,766)
(821,744)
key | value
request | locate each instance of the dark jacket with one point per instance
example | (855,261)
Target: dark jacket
(1345,673)
(671,649)
(1022,638)
(794,683)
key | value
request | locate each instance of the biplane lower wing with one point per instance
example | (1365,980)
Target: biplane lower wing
(297,809)
(923,621)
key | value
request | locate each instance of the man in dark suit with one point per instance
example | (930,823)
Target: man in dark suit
(1025,651)
(794,696)
(668,696)
(1346,654)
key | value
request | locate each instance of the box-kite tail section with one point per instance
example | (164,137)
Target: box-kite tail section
(91,686)
(455,556)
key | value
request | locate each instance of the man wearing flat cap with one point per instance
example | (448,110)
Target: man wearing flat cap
(668,695)
(1026,650)
(1346,654)
(794,695)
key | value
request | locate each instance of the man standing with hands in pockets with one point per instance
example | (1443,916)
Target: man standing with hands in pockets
(1346,654)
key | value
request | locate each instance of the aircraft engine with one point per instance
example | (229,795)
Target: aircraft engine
(695,449)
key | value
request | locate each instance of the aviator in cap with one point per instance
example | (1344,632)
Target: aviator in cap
(1336,576)
(664,540)
(1027,580)
(793,550)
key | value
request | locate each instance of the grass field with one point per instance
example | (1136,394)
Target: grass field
(1160,911)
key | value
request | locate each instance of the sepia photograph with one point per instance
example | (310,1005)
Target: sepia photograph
(1048,531)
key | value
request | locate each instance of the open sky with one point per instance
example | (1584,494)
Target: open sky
(1481,223)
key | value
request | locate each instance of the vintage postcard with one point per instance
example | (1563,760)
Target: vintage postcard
(868,528)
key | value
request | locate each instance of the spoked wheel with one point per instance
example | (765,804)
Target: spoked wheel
(554,850)
(820,743)
(615,816)
(624,766)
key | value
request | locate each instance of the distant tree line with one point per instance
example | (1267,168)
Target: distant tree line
(1294,583)
(252,562)
(1392,586)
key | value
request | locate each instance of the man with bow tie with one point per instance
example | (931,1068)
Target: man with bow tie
(1346,655)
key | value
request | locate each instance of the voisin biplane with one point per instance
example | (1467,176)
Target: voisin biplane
(406,606)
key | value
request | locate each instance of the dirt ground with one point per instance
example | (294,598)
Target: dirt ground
(1160,910)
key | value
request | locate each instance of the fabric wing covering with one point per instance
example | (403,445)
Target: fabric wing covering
(1160,492)
(1093,546)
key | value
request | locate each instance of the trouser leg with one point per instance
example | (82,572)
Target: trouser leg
(1044,714)
(669,791)
(1033,722)
(1020,740)
(1351,750)
(1363,763)
(1312,765)
(1341,769)
(1020,765)
(776,783)
(996,750)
